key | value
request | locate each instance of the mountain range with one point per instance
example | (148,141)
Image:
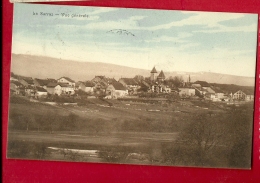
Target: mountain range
(47,67)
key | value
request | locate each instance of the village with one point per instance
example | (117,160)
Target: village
(155,86)
(130,120)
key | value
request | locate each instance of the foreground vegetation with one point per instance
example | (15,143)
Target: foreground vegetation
(210,135)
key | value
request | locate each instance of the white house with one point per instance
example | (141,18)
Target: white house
(60,88)
(40,92)
(87,86)
(186,91)
(116,90)
(243,95)
(68,81)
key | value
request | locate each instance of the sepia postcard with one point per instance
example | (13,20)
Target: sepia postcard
(132,86)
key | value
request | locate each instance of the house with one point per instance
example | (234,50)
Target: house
(41,82)
(239,95)
(202,88)
(202,84)
(245,95)
(186,91)
(167,89)
(116,90)
(100,87)
(51,80)
(101,83)
(67,80)
(60,88)
(143,86)
(13,77)
(29,91)
(66,89)
(16,87)
(97,79)
(40,92)
(131,84)
(26,81)
(87,86)
(219,94)
(108,81)
(210,96)
(155,87)
(51,88)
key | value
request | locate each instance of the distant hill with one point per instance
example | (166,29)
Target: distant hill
(231,88)
(211,77)
(47,67)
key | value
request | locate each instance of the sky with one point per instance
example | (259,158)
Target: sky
(169,40)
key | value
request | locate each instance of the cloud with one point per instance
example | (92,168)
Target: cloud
(221,28)
(178,38)
(208,22)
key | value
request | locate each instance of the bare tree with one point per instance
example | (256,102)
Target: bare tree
(176,81)
(197,142)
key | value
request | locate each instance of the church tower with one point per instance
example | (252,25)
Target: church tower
(161,76)
(153,74)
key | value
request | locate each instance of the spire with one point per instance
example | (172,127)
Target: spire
(161,75)
(189,79)
(154,70)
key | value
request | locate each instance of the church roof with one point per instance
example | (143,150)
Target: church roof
(153,70)
(161,75)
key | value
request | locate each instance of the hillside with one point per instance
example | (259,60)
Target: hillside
(46,67)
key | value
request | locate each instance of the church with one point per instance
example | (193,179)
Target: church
(154,77)
(157,81)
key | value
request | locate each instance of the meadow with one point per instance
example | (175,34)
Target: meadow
(181,133)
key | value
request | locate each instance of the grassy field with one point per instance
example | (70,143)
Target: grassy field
(98,116)
(120,131)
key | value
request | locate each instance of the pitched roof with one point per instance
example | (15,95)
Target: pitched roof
(248,92)
(68,79)
(17,83)
(28,80)
(51,80)
(153,70)
(100,77)
(108,80)
(118,86)
(217,90)
(42,82)
(40,89)
(63,84)
(145,83)
(129,81)
(202,83)
(161,75)
(51,85)
(29,87)
(78,83)
(100,85)
(89,84)
(23,77)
